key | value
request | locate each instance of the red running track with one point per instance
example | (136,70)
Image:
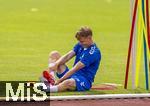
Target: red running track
(104,102)
(98,102)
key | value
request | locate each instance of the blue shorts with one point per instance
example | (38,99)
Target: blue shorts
(82,84)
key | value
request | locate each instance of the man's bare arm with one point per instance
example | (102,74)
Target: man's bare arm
(62,60)
(77,67)
(66,58)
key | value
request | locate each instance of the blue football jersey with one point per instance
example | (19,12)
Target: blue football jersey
(90,57)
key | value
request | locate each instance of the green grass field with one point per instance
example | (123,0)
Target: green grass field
(30,29)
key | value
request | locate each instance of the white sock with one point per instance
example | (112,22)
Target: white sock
(52,89)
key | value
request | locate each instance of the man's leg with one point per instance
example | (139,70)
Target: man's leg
(78,83)
(68,84)
(53,57)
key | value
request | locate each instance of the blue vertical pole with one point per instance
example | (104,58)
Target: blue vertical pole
(146,63)
(145,48)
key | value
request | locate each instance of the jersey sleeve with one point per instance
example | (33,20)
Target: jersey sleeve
(89,58)
(75,48)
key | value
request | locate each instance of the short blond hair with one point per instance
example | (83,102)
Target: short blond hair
(83,32)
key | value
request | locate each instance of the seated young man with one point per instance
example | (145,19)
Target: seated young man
(81,76)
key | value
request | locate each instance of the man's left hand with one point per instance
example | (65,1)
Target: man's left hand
(57,82)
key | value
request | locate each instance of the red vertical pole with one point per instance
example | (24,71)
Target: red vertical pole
(130,43)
